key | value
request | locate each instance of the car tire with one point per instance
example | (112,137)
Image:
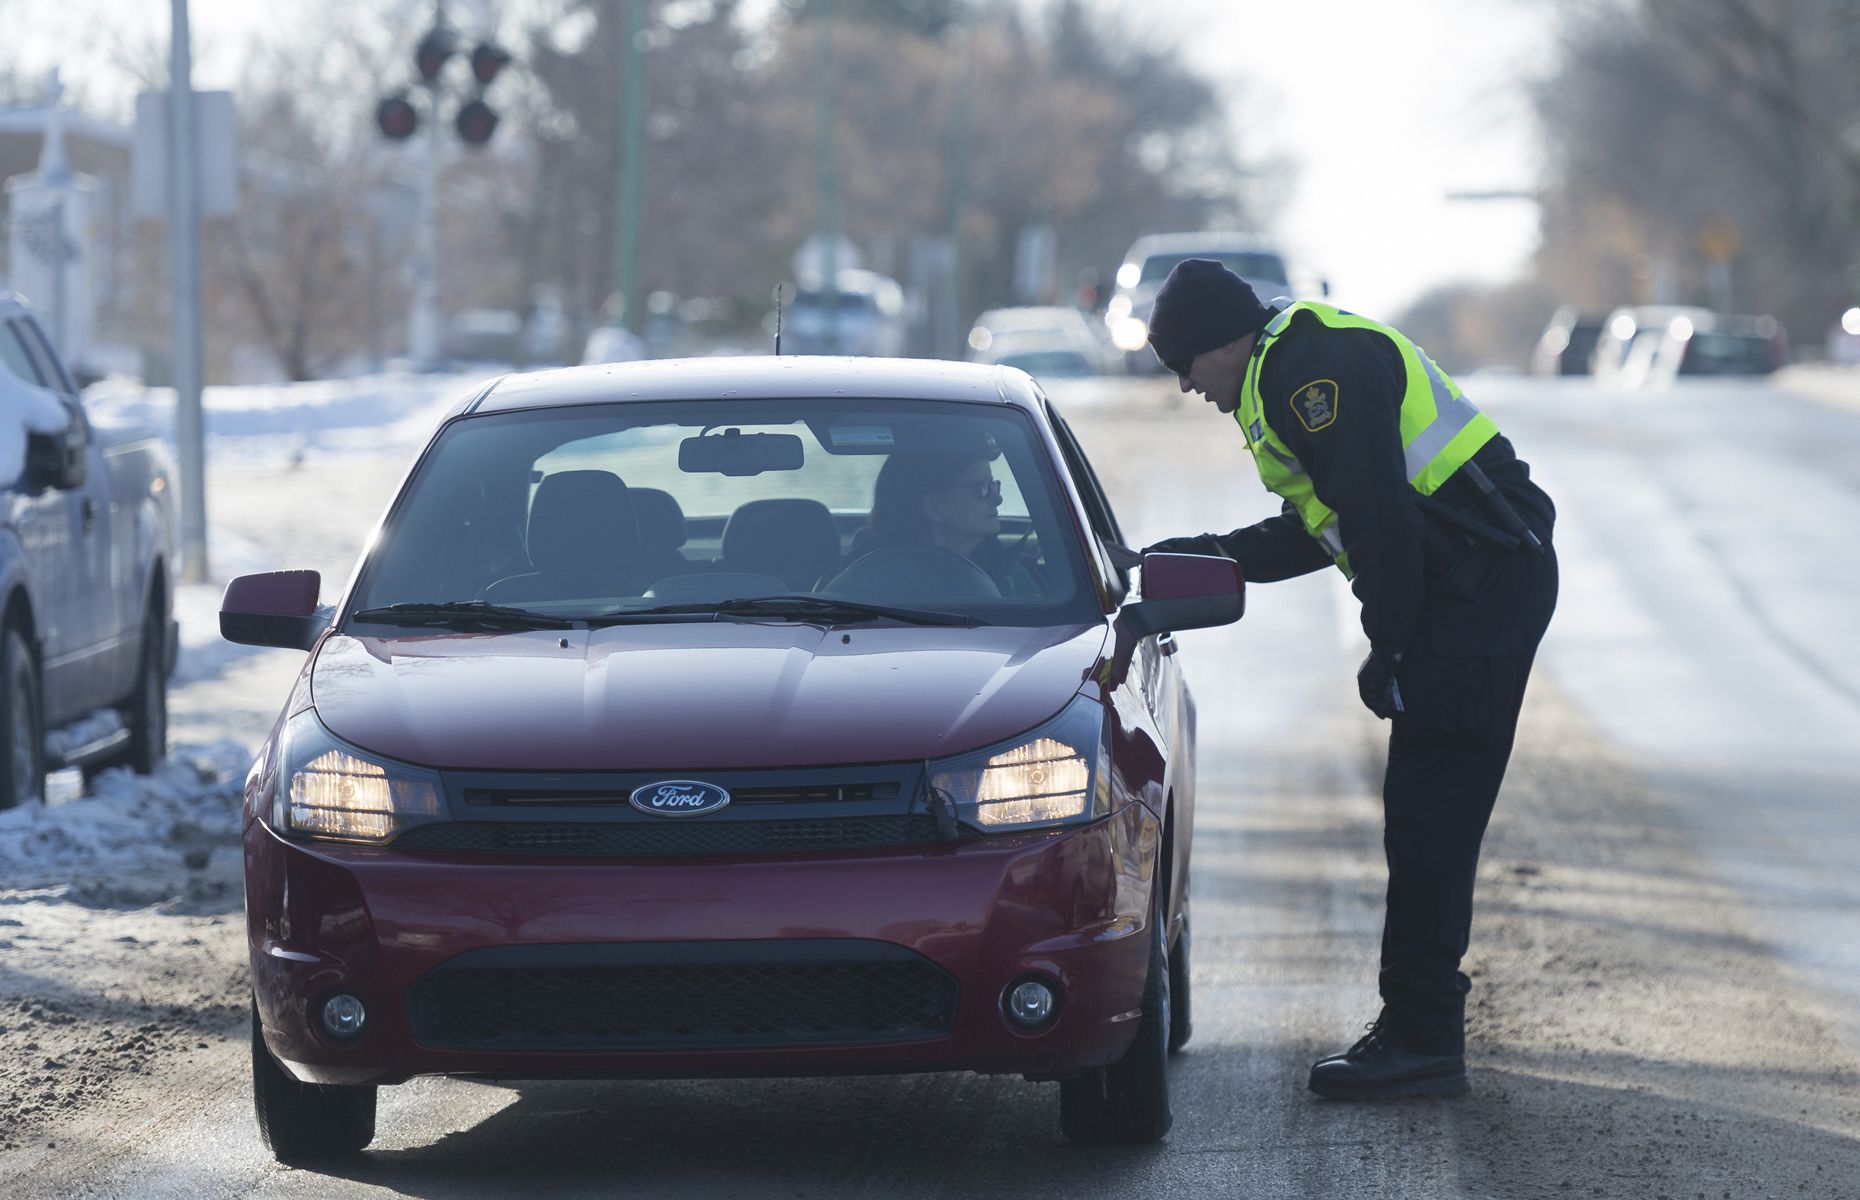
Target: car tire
(305,1122)
(1181,1016)
(1127,1103)
(22,724)
(146,714)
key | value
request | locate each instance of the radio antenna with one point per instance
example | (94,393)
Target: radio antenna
(778,320)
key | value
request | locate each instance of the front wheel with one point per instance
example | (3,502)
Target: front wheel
(147,711)
(1127,1103)
(304,1122)
(22,729)
(1181,1018)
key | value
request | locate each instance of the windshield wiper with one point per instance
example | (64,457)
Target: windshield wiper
(461,614)
(806,608)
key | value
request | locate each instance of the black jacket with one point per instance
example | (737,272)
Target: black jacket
(1356,468)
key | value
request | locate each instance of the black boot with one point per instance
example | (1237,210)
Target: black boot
(1378,1066)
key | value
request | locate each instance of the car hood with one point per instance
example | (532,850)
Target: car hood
(703,696)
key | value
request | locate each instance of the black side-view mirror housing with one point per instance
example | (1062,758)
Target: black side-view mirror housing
(57,460)
(276,608)
(1186,591)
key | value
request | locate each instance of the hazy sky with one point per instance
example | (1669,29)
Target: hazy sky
(1386,107)
(1382,106)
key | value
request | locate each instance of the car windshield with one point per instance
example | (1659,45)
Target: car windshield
(605,512)
(1156,267)
(844,301)
(1727,354)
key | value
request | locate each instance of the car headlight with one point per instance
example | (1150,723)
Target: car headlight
(1130,334)
(1058,774)
(329,789)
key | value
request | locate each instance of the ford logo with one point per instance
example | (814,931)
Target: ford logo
(679,798)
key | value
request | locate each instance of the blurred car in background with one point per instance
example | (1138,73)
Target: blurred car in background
(864,316)
(1568,342)
(1624,350)
(1148,262)
(1844,338)
(1043,340)
(613,344)
(1716,344)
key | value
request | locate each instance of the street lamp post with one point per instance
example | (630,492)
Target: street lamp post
(184,280)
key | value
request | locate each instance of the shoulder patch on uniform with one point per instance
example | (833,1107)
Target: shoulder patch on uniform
(1316,404)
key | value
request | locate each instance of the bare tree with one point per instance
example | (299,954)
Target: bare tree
(1672,124)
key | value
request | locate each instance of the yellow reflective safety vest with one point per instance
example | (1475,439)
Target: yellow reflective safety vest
(1440,428)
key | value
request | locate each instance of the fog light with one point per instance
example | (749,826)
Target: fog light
(344,1016)
(1029,1003)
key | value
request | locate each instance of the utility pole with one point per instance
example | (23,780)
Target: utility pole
(826,165)
(423,317)
(951,338)
(632,125)
(184,282)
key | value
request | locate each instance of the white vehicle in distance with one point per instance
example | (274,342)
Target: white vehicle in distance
(1148,262)
(1042,340)
(864,316)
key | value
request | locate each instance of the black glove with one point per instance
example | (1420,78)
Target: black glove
(1201,543)
(1375,683)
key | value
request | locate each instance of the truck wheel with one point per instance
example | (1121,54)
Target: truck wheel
(304,1122)
(147,711)
(22,725)
(1127,1103)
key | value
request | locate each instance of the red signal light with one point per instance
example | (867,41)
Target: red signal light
(396,118)
(486,61)
(431,55)
(477,121)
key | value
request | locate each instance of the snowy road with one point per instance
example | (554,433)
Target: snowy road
(1666,950)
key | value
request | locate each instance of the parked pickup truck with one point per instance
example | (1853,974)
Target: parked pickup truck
(86,553)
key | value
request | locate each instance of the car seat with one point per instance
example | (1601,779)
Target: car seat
(583,541)
(661,533)
(793,538)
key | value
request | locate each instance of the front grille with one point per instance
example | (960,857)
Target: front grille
(803,793)
(664,838)
(683,996)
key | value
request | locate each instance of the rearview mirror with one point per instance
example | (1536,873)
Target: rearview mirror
(1185,591)
(734,452)
(276,608)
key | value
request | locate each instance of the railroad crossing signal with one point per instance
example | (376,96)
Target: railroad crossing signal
(398,119)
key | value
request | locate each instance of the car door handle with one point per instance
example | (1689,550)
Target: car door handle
(89,509)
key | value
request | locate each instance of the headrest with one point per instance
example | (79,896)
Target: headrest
(794,538)
(582,522)
(661,521)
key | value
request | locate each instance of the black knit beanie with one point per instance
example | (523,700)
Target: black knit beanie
(1201,306)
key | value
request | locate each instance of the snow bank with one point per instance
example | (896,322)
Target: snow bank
(130,827)
(367,412)
(24,407)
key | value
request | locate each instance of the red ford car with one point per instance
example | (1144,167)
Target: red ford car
(729,717)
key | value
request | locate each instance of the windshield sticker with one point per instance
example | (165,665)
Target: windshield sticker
(849,436)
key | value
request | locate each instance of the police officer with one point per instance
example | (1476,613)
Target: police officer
(1389,473)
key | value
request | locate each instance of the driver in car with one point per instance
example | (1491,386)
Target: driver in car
(949,499)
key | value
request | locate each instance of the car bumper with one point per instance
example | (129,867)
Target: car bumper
(1071,907)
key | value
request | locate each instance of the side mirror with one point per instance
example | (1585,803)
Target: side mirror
(277,608)
(57,460)
(1185,591)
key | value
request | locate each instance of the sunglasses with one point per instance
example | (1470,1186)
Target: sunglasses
(989,490)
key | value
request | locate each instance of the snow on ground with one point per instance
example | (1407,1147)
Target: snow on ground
(129,839)
(366,412)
